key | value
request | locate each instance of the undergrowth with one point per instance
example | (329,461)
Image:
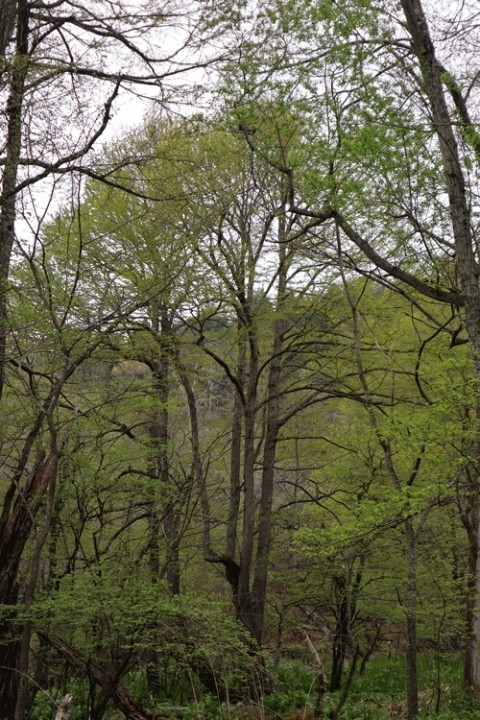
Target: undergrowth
(377,695)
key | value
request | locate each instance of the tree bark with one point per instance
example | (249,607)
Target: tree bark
(8,10)
(470,522)
(14,108)
(14,532)
(272,426)
(161,518)
(341,633)
(236,457)
(245,607)
(431,73)
(411,620)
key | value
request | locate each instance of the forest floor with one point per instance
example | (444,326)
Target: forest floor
(378,694)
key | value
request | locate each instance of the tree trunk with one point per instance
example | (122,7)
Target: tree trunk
(411,620)
(8,12)
(24,694)
(246,610)
(236,457)
(431,72)
(165,518)
(272,425)
(14,110)
(470,521)
(15,530)
(321,680)
(341,634)
(11,547)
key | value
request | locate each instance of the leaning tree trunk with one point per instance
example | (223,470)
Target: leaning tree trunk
(109,682)
(431,72)
(24,689)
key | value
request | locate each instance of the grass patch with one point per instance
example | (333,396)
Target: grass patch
(380,693)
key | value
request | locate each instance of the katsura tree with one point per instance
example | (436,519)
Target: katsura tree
(149,253)
(162,251)
(215,231)
(266,341)
(152,255)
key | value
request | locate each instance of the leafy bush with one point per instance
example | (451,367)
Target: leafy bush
(293,675)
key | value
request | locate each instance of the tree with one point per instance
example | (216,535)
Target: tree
(53,339)
(246,238)
(435,86)
(54,61)
(379,156)
(228,270)
(384,466)
(59,58)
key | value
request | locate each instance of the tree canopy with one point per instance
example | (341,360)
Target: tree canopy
(239,357)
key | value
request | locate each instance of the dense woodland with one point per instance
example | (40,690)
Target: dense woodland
(239,360)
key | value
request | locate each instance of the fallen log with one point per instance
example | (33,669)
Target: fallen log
(107,681)
(118,694)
